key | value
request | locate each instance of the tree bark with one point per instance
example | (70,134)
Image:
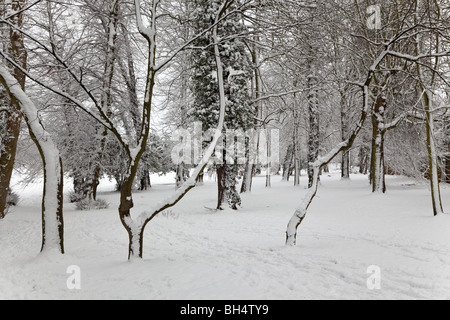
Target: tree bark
(221,188)
(378,171)
(13,118)
(345,165)
(314,126)
(364,159)
(345,119)
(447,150)
(12,123)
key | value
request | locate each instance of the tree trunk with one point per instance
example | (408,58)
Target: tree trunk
(52,203)
(250,159)
(13,43)
(345,119)
(145,181)
(12,123)
(427,96)
(447,152)
(269,162)
(246,178)
(378,171)
(287,164)
(364,159)
(432,158)
(314,126)
(345,165)
(221,178)
(253,139)
(136,244)
(181,175)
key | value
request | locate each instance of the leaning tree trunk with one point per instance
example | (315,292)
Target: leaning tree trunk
(52,200)
(302,210)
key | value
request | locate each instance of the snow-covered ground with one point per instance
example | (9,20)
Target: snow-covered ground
(194,253)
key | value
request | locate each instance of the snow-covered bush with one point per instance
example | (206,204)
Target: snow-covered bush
(88,205)
(12,200)
(75,198)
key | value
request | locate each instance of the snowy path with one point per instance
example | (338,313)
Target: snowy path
(192,253)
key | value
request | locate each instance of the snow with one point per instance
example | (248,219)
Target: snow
(194,253)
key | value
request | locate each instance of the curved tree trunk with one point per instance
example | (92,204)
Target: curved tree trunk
(52,200)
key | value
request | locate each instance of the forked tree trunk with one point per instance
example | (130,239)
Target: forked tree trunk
(136,228)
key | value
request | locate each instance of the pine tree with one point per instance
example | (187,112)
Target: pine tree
(237,66)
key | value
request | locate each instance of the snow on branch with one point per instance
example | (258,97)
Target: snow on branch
(56,91)
(300,213)
(418,57)
(187,44)
(146,32)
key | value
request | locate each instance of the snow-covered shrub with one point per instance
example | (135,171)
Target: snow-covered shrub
(12,200)
(169,214)
(75,198)
(88,205)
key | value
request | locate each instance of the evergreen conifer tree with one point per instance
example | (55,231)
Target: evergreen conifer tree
(238,70)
